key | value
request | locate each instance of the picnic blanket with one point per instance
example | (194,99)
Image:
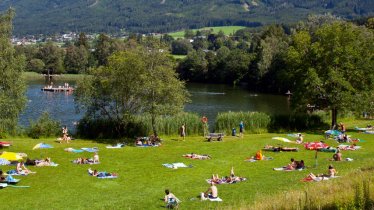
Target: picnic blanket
(285,169)
(176,165)
(333,132)
(363,129)
(369,132)
(73,150)
(252,159)
(224,181)
(117,146)
(196,156)
(315,145)
(328,149)
(93,149)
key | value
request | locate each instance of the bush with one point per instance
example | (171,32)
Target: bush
(44,127)
(296,122)
(254,122)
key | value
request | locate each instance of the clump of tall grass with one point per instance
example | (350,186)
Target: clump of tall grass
(342,193)
(170,125)
(254,122)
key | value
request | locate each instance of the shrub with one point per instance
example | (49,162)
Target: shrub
(254,122)
(44,127)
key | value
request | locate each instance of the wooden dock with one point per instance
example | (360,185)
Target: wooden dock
(58,89)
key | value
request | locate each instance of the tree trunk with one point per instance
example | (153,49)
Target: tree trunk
(334,116)
(154,125)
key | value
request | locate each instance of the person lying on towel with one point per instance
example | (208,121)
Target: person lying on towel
(100,174)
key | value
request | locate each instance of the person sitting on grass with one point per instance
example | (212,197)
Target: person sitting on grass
(299,139)
(211,193)
(21,168)
(96,158)
(300,165)
(259,155)
(170,200)
(337,156)
(292,165)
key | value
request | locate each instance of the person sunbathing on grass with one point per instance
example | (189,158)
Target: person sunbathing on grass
(330,174)
(45,162)
(96,158)
(100,174)
(259,155)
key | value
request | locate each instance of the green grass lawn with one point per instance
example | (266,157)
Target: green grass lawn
(226,29)
(142,179)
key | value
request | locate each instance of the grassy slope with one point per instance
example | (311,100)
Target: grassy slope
(142,178)
(226,29)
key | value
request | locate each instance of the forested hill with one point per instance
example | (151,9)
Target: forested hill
(54,16)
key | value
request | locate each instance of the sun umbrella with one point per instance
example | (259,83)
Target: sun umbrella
(281,139)
(42,146)
(10,156)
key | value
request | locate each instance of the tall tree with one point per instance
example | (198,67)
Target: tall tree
(53,58)
(333,69)
(133,82)
(12,84)
(76,59)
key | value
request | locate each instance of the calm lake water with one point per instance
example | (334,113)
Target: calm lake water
(206,99)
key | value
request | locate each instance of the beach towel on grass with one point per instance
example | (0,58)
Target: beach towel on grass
(4,162)
(115,146)
(369,132)
(10,180)
(73,150)
(105,175)
(147,145)
(254,160)
(3,185)
(213,199)
(176,165)
(285,169)
(22,173)
(93,149)
(348,147)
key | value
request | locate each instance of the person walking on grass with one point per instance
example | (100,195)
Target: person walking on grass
(241,129)
(182,131)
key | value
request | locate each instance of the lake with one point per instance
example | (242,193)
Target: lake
(206,99)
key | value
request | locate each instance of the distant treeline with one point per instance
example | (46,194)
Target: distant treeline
(142,16)
(257,58)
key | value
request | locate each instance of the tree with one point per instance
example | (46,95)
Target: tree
(12,84)
(333,69)
(82,41)
(181,47)
(102,49)
(53,57)
(133,82)
(76,59)
(163,93)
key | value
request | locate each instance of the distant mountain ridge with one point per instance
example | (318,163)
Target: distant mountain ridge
(57,16)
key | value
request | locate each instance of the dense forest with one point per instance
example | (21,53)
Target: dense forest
(143,16)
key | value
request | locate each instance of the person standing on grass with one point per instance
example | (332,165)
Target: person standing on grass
(182,131)
(241,129)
